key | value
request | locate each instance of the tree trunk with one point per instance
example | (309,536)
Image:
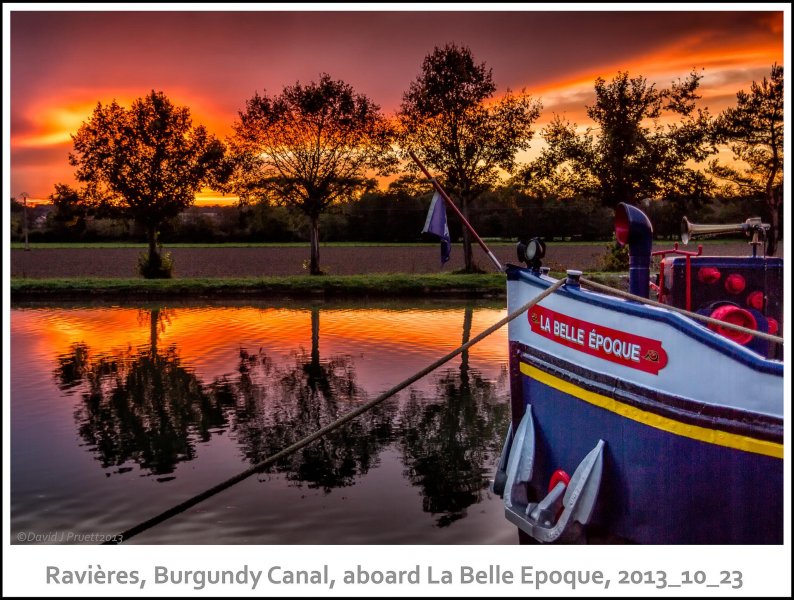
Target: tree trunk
(154,257)
(468,313)
(774,199)
(774,228)
(314,369)
(314,237)
(467,255)
(154,321)
(315,337)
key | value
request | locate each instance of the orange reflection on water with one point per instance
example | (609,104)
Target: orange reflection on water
(209,339)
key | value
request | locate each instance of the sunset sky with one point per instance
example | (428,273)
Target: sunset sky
(63,63)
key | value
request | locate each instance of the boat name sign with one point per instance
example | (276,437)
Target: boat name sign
(616,346)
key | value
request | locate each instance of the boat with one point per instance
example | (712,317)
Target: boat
(647,420)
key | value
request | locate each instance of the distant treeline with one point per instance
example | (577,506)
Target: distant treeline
(378,216)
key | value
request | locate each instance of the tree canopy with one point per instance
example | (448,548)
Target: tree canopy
(628,154)
(754,130)
(148,161)
(312,146)
(449,118)
(318,145)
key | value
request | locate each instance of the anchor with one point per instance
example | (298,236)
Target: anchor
(543,520)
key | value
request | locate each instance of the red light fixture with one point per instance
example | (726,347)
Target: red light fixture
(709,275)
(736,316)
(735,284)
(773,326)
(756,300)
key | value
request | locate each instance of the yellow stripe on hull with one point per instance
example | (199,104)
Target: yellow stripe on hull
(703,434)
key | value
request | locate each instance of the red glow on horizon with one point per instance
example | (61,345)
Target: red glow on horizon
(213,63)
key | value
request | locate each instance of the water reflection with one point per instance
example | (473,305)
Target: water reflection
(145,407)
(448,447)
(154,403)
(141,406)
(277,406)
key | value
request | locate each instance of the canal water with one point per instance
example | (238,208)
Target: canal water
(120,412)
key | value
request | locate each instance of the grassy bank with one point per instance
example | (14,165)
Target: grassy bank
(166,247)
(378,285)
(487,285)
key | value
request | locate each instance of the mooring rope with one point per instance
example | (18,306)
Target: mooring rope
(692,315)
(183,506)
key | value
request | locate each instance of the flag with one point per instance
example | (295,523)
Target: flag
(436,224)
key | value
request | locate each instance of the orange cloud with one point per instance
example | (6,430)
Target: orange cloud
(725,72)
(213,62)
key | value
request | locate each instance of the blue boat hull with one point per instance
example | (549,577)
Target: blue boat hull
(658,487)
(686,449)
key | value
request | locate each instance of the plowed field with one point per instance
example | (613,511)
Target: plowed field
(335,260)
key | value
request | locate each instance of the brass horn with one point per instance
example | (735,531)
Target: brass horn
(692,230)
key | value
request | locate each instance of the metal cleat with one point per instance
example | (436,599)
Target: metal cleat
(545,512)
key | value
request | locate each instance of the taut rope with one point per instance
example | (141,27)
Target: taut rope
(181,507)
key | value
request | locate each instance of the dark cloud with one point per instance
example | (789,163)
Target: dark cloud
(41,156)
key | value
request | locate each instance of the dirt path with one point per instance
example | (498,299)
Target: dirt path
(256,262)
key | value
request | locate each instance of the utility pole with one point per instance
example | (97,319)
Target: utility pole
(24,196)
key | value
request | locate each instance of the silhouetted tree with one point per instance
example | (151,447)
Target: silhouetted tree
(17,215)
(70,211)
(310,147)
(754,131)
(389,215)
(149,161)
(447,118)
(629,155)
(67,202)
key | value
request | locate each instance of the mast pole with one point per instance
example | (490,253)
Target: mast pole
(451,204)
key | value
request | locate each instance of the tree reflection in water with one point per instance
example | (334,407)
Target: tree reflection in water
(449,446)
(141,406)
(277,406)
(144,406)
